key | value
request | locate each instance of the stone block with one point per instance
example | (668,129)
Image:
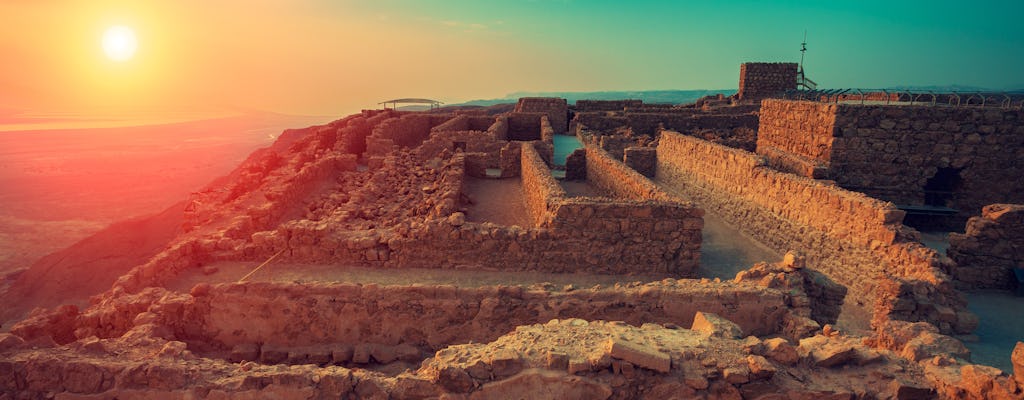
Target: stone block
(713,325)
(639,355)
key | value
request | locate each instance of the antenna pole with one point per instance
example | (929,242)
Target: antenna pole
(803,49)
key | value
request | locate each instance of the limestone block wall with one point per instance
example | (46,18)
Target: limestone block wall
(796,135)
(405,131)
(524,126)
(555,108)
(682,120)
(891,152)
(458,123)
(606,105)
(760,80)
(991,247)
(499,129)
(853,239)
(642,159)
(539,186)
(615,177)
(474,141)
(433,317)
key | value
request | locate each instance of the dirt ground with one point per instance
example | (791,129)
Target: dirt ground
(497,200)
(581,189)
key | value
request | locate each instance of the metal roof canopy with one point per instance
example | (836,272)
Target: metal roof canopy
(394,103)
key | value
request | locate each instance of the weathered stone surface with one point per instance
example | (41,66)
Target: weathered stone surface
(543,384)
(781,351)
(713,325)
(825,352)
(639,355)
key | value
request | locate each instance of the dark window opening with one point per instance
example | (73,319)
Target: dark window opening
(939,190)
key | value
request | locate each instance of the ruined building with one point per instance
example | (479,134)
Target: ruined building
(452,254)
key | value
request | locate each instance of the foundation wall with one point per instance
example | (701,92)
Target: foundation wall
(406,131)
(606,105)
(524,126)
(891,152)
(991,247)
(556,109)
(683,120)
(433,317)
(853,239)
(472,142)
(616,178)
(540,188)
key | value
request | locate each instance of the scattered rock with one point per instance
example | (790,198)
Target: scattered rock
(713,325)
(781,351)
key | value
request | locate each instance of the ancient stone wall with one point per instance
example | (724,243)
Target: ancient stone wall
(606,105)
(853,239)
(468,141)
(683,120)
(760,80)
(796,136)
(893,152)
(524,126)
(991,247)
(459,123)
(618,179)
(539,186)
(641,159)
(433,317)
(556,109)
(406,131)
(499,129)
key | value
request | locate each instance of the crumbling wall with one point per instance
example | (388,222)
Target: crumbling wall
(761,80)
(468,141)
(405,131)
(524,126)
(892,152)
(555,108)
(991,247)
(433,317)
(606,105)
(853,239)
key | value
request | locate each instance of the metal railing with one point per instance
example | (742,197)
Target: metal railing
(1004,100)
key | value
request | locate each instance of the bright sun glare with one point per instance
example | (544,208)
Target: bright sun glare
(119,43)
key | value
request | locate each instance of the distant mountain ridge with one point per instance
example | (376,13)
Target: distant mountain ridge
(648,96)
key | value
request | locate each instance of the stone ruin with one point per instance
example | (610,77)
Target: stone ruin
(406,193)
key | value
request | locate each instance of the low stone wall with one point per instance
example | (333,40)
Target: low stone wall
(606,105)
(682,120)
(405,131)
(539,187)
(459,123)
(641,159)
(556,109)
(853,239)
(616,178)
(991,247)
(471,142)
(524,126)
(433,317)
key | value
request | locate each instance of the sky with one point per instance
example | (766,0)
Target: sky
(331,57)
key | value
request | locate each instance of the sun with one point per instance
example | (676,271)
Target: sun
(119,43)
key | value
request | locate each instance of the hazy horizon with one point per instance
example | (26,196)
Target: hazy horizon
(329,57)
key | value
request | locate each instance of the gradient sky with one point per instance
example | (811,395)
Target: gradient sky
(332,57)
